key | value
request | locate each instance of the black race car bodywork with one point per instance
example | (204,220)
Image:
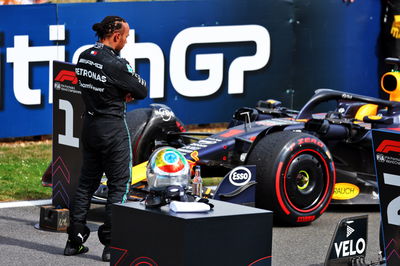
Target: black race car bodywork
(301,158)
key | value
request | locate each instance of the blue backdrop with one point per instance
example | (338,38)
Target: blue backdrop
(313,44)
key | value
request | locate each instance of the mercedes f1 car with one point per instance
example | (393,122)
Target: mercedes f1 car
(291,162)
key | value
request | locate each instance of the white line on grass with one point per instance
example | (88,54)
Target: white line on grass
(14,204)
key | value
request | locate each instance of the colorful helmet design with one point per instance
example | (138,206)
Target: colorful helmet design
(167,167)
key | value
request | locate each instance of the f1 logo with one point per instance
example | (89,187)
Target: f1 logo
(387,146)
(64,75)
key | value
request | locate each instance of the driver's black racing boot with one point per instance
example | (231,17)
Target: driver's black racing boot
(74,249)
(106,254)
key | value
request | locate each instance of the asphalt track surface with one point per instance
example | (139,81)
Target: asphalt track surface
(22,244)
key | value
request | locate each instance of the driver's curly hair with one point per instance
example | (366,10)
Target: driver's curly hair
(108,26)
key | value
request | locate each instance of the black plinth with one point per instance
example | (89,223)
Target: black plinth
(230,234)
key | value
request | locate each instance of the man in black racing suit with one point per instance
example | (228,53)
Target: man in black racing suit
(107,82)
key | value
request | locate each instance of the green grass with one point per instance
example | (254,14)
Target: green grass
(22,165)
(212,181)
(21,168)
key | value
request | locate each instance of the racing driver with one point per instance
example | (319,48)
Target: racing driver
(107,81)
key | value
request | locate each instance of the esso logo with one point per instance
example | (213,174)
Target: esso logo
(240,176)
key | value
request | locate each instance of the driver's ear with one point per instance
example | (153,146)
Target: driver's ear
(116,37)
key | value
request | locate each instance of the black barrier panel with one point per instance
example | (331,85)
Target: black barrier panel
(387,162)
(68,108)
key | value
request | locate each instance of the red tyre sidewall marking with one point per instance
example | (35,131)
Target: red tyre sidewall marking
(278,189)
(284,182)
(333,188)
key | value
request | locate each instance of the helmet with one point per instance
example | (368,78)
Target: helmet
(167,167)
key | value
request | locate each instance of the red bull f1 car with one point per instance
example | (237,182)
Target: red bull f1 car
(291,162)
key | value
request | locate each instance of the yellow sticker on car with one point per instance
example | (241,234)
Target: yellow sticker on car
(345,191)
(139,173)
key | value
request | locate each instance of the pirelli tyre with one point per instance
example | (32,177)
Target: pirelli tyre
(295,176)
(137,121)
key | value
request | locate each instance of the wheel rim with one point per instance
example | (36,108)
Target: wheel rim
(302,179)
(306,180)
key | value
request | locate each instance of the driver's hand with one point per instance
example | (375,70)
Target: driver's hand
(395,30)
(128,98)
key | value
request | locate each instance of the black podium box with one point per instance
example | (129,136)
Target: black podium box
(230,234)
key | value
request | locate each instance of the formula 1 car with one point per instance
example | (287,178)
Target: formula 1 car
(302,159)
(291,162)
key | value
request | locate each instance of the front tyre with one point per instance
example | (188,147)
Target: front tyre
(150,128)
(295,176)
(137,121)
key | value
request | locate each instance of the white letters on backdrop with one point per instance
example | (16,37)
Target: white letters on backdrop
(22,54)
